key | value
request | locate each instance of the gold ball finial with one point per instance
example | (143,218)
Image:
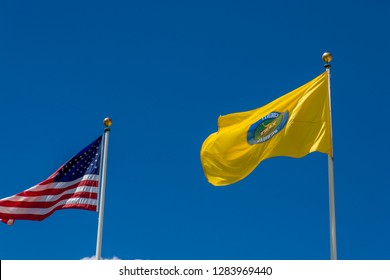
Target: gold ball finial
(107,122)
(327,57)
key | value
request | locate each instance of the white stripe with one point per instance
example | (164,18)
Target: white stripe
(43,198)
(62,185)
(58,185)
(43,211)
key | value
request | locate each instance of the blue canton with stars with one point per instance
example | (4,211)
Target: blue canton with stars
(87,161)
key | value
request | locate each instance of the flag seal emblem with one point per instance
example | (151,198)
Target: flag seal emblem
(267,127)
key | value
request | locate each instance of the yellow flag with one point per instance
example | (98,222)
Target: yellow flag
(293,125)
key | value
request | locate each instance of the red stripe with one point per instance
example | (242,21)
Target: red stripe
(36,217)
(46,204)
(55,191)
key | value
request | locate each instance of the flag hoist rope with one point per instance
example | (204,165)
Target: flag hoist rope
(107,122)
(327,58)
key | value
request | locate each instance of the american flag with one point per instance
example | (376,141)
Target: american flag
(73,185)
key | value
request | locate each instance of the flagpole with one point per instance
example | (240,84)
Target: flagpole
(107,122)
(327,58)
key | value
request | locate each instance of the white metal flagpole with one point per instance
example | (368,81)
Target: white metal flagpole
(327,58)
(107,122)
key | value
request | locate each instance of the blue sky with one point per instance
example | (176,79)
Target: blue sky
(164,71)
